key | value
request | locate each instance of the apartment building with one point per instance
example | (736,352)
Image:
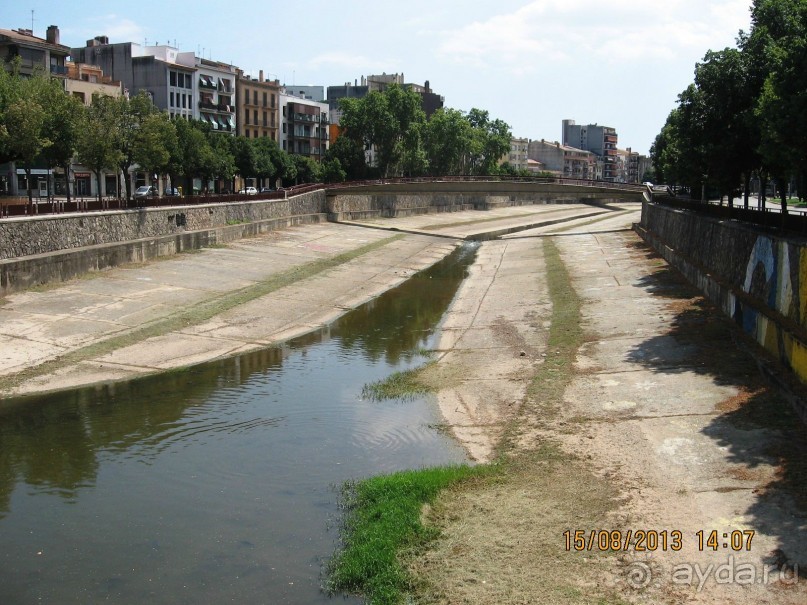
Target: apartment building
(519,153)
(600,140)
(33,54)
(304,126)
(563,160)
(257,102)
(430,101)
(177,82)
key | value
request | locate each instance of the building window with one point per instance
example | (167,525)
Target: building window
(171,102)
(273,119)
(255,116)
(173,76)
(273,100)
(254,97)
(255,133)
(265,123)
(246,116)
(246,133)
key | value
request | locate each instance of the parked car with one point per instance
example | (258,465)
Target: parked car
(267,189)
(172,192)
(248,191)
(144,191)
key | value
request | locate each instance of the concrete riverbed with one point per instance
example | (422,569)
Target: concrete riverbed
(663,417)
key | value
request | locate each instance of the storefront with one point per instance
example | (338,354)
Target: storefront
(83,184)
(39,182)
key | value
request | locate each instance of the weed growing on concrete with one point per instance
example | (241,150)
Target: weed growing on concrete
(403,385)
(383,518)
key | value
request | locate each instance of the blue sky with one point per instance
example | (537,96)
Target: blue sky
(531,63)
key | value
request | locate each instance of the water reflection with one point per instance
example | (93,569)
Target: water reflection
(214,482)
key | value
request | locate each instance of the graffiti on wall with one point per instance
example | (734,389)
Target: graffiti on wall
(776,277)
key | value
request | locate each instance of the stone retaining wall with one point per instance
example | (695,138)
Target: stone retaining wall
(358,206)
(756,278)
(38,235)
(40,250)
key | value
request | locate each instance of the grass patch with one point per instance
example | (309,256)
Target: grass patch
(565,337)
(383,518)
(193,314)
(403,385)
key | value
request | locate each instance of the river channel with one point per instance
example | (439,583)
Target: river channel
(216,484)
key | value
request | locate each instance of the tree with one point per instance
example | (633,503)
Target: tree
(332,171)
(350,155)
(726,108)
(491,140)
(777,47)
(267,153)
(97,146)
(388,122)
(447,142)
(62,124)
(153,142)
(308,170)
(26,135)
(130,114)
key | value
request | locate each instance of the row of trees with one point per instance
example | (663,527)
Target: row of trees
(746,112)
(405,143)
(40,123)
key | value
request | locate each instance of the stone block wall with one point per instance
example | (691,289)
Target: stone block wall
(756,278)
(39,235)
(39,250)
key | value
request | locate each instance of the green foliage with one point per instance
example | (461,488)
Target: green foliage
(398,385)
(383,518)
(96,146)
(449,136)
(332,171)
(746,111)
(350,155)
(390,122)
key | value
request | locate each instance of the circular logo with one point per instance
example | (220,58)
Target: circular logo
(639,575)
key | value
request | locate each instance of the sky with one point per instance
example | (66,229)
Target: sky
(531,63)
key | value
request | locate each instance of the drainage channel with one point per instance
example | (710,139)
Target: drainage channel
(217,484)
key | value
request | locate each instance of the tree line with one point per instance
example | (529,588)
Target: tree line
(383,134)
(745,114)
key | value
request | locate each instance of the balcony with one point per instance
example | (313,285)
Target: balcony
(58,70)
(206,82)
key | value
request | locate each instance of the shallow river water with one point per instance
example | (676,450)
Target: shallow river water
(216,484)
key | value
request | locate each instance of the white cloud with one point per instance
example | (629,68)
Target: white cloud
(348,61)
(590,32)
(116,28)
